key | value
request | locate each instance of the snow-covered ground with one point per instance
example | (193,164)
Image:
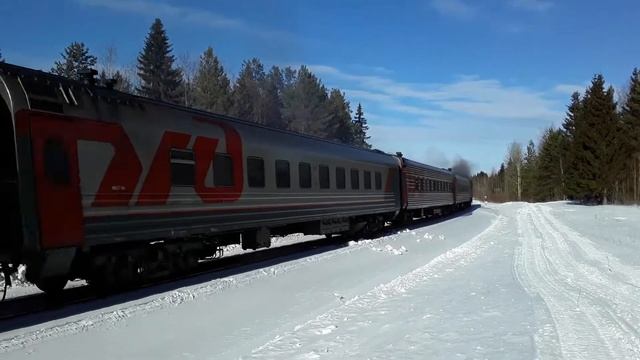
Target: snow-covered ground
(511,281)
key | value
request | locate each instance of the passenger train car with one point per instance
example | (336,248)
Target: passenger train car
(111,187)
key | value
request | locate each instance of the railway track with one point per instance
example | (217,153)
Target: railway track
(35,303)
(30,307)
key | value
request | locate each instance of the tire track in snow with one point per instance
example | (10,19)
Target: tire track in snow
(306,335)
(594,313)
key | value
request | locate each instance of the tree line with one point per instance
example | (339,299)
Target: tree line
(593,157)
(283,98)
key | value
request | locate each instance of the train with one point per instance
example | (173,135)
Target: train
(115,188)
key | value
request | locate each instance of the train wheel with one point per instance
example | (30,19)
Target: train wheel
(53,285)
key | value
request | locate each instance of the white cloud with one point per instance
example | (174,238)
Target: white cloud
(533,5)
(569,89)
(184,14)
(469,115)
(469,95)
(454,8)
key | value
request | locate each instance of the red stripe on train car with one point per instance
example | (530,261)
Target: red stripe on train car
(157,185)
(204,150)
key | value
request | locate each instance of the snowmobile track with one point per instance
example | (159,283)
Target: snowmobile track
(590,303)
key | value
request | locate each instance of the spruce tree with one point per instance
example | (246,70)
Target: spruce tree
(529,172)
(569,147)
(212,91)
(247,97)
(75,58)
(630,116)
(305,104)
(360,129)
(597,142)
(121,81)
(339,125)
(159,79)
(548,173)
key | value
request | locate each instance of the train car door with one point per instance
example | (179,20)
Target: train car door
(57,182)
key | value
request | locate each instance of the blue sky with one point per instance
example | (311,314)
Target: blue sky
(438,79)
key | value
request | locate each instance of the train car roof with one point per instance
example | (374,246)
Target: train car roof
(112,95)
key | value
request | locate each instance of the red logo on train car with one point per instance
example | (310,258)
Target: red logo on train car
(157,184)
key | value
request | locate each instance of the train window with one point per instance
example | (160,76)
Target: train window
(222,170)
(182,168)
(255,172)
(304,172)
(432,186)
(378,179)
(367,180)
(56,162)
(421,184)
(355,179)
(283,174)
(325,181)
(417,184)
(340,178)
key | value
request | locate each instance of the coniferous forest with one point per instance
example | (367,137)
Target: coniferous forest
(284,98)
(593,157)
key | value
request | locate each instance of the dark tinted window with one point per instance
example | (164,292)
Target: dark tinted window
(325,181)
(355,179)
(255,172)
(283,175)
(378,181)
(367,180)
(340,178)
(222,170)
(56,162)
(304,171)
(182,168)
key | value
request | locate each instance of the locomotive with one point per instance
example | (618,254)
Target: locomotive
(113,188)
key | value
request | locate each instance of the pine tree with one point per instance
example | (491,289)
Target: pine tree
(212,90)
(75,58)
(271,104)
(247,97)
(597,140)
(289,78)
(339,125)
(305,104)
(360,129)
(158,78)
